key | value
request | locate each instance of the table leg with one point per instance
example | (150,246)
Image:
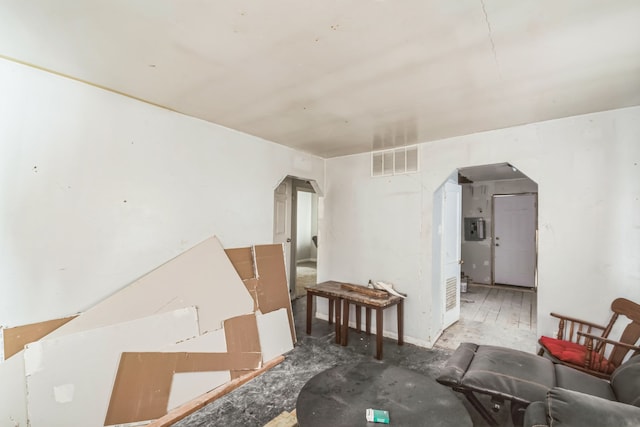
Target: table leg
(368,320)
(379,333)
(401,322)
(358,317)
(331,302)
(309,311)
(345,322)
(338,321)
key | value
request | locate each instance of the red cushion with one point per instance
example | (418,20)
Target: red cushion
(573,353)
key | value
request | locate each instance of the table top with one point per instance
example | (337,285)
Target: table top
(341,395)
(334,289)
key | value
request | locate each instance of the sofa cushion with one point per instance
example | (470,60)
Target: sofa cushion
(576,354)
(509,373)
(572,379)
(571,408)
(625,381)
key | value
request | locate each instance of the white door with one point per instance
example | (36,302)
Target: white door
(514,239)
(451,235)
(282,220)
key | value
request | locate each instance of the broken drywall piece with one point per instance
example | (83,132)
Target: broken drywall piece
(275,338)
(69,378)
(13,407)
(147,377)
(17,337)
(189,385)
(186,386)
(197,277)
(389,288)
(273,291)
(241,334)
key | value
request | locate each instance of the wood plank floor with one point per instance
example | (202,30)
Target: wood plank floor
(494,315)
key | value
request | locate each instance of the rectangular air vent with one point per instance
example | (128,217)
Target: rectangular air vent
(451,285)
(395,161)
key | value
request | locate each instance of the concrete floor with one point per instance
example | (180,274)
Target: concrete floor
(264,398)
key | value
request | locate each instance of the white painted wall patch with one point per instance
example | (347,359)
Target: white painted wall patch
(33,358)
(64,393)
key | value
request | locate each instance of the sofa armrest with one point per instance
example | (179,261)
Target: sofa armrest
(536,415)
(566,408)
(457,365)
(610,341)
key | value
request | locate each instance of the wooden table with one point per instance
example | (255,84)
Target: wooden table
(340,299)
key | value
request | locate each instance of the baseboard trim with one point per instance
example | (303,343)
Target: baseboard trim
(385,333)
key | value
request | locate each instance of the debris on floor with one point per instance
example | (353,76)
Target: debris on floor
(285,419)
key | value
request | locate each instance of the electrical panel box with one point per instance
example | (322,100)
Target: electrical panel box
(473,229)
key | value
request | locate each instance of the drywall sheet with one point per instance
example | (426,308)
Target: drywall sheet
(275,338)
(241,334)
(273,291)
(17,337)
(69,379)
(186,386)
(202,277)
(143,381)
(13,407)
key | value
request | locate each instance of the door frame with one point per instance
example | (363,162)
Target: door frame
(297,184)
(451,190)
(535,237)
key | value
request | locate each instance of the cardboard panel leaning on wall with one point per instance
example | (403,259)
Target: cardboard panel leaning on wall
(197,277)
(145,391)
(143,381)
(273,291)
(69,379)
(17,337)
(262,269)
(242,260)
(241,334)
(185,386)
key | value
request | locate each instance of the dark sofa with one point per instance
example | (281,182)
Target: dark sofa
(551,394)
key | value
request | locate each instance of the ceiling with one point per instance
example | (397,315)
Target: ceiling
(494,172)
(333,78)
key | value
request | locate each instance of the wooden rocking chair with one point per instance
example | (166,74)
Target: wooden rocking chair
(578,346)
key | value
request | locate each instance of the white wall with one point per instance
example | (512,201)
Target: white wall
(97,189)
(588,174)
(303,225)
(313,250)
(476,202)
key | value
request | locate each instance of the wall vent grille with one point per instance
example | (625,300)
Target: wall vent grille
(395,161)
(451,284)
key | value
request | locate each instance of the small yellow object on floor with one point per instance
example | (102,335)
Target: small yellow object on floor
(285,419)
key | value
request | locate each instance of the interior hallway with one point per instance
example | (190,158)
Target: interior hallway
(306,273)
(496,315)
